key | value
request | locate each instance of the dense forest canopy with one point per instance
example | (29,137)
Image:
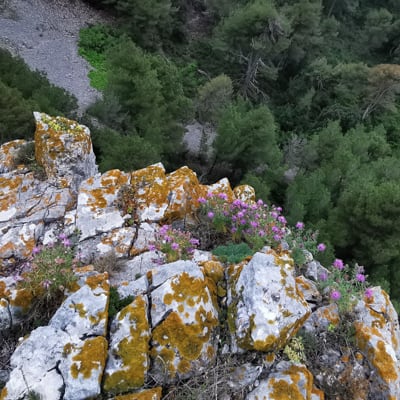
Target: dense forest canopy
(303,96)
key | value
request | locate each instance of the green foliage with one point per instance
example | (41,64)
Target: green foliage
(246,139)
(93,44)
(23,91)
(125,152)
(295,350)
(143,99)
(213,96)
(116,304)
(233,253)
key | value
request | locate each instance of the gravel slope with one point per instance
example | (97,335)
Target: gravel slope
(45,33)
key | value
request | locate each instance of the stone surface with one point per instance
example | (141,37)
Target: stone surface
(288,381)
(128,357)
(97,210)
(266,307)
(34,365)
(64,149)
(82,367)
(378,337)
(85,312)
(184,319)
(8,153)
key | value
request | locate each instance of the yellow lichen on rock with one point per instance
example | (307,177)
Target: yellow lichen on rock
(92,356)
(132,351)
(290,389)
(245,193)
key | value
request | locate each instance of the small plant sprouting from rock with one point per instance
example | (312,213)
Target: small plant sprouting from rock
(116,304)
(174,244)
(26,156)
(233,253)
(50,271)
(295,350)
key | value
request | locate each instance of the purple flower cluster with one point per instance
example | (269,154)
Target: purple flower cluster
(174,244)
(345,285)
(255,223)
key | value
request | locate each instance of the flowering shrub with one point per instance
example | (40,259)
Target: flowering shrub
(175,244)
(50,270)
(344,285)
(257,224)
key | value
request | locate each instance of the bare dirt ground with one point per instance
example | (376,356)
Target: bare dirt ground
(45,34)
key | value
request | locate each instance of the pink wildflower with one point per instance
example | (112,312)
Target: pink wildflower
(321,247)
(335,295)
(202,200)
(338,263)
(36,250)
(360,277)
(210,215)
(300,225)
(175,246)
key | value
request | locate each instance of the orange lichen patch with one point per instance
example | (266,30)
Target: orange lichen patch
(270,357)
(50,138)
(149,394)
(187,289)
(113,180)
(186,339)
(150,185)
(316,392)
(21,298)
(8,191)
(98,280)
(28,245)
(96,199)
(4,291)
(132,351)
(84,269)
(3,393)
(214,270)
(222,186)
(245,193)
(291,390)
(91,357)
(184,191)
(369,341)
(330,313)
(8,150)
(184,366)
(80,308)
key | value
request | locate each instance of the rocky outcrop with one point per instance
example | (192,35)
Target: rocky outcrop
(174,321)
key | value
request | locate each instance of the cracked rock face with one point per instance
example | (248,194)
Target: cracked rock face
(169,330)
(267,308)
(66,359)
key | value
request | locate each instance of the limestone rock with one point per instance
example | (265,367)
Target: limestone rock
(267,309)
(378,336)
(128,358)
(8,152)
(64,149)
(245,193)
(34,365)
(97,210)
(184,319)
(82,367)
(84,313)
(322,318)
(288,381)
